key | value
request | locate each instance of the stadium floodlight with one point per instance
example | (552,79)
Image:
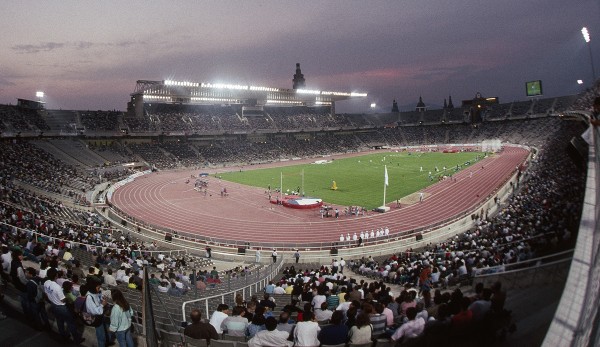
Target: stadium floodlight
(586,38)
(373,105)
(308,91)
(579,81)
(39,95)
(586,34)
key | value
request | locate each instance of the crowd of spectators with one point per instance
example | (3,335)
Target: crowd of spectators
(153,154)
(100,120)
(114,152)
(322,306)
(20,160)
(541,217)
(21,119)
(223,118)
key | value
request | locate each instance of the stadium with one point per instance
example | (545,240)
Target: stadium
(149,194)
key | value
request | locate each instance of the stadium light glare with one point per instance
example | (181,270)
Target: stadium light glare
(586,38)
(358,94)
(224,86)
(269,101)
(373,105)
(335,93)
(586,34)
(308,91)
(579,81)
(39,94)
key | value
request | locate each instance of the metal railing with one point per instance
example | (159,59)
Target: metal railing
(252,288)
(543,270)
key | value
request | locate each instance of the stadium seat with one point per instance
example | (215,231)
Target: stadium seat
(170,339)
(189,342)
(367,344)
(385,343)
(222,343)
(234,338)
(339,345)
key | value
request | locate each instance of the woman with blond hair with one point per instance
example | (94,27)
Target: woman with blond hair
(120,319)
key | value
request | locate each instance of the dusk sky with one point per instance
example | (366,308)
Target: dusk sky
(88,55)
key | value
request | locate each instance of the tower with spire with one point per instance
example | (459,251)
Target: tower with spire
(395,107)
(298,80)
(421,105)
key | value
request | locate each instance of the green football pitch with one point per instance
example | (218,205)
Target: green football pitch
(359,180)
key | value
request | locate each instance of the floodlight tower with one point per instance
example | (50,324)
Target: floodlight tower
(586,37)
(39,95)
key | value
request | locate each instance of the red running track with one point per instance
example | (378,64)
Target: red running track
(164,199)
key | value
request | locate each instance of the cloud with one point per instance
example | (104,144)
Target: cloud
(42,47)
(76,45)
(6,83)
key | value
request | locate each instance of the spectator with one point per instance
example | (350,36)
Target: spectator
(199,329)
(411,329)
(334,333)
(120,319)
(271,336)
(258,323)
(110,280)
(36,307)
(94,304)
(236,324)
(63,316)
(362,331)
(322,313)
(306,332)
(219,316)
(284,323)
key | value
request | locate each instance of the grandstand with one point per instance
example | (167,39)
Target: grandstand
(525,220)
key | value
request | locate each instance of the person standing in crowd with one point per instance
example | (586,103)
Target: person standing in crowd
(274,256)
(297,255)
(257,255)
(120,319)
(94,304)
(17,275)
(36,307)
(63,316)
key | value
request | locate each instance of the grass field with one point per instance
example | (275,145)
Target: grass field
(359,180)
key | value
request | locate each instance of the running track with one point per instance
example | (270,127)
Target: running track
(164,199)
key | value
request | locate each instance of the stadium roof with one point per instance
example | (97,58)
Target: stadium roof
(170,91)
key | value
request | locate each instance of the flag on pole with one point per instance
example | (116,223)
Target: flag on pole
(386,176)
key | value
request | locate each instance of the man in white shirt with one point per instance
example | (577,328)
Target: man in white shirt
(306,332)
(413,328)
(63,316)
(279,289)
(271,336)
(219,316)
(109,279)
(6,259)
(342,264)
(322,313)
